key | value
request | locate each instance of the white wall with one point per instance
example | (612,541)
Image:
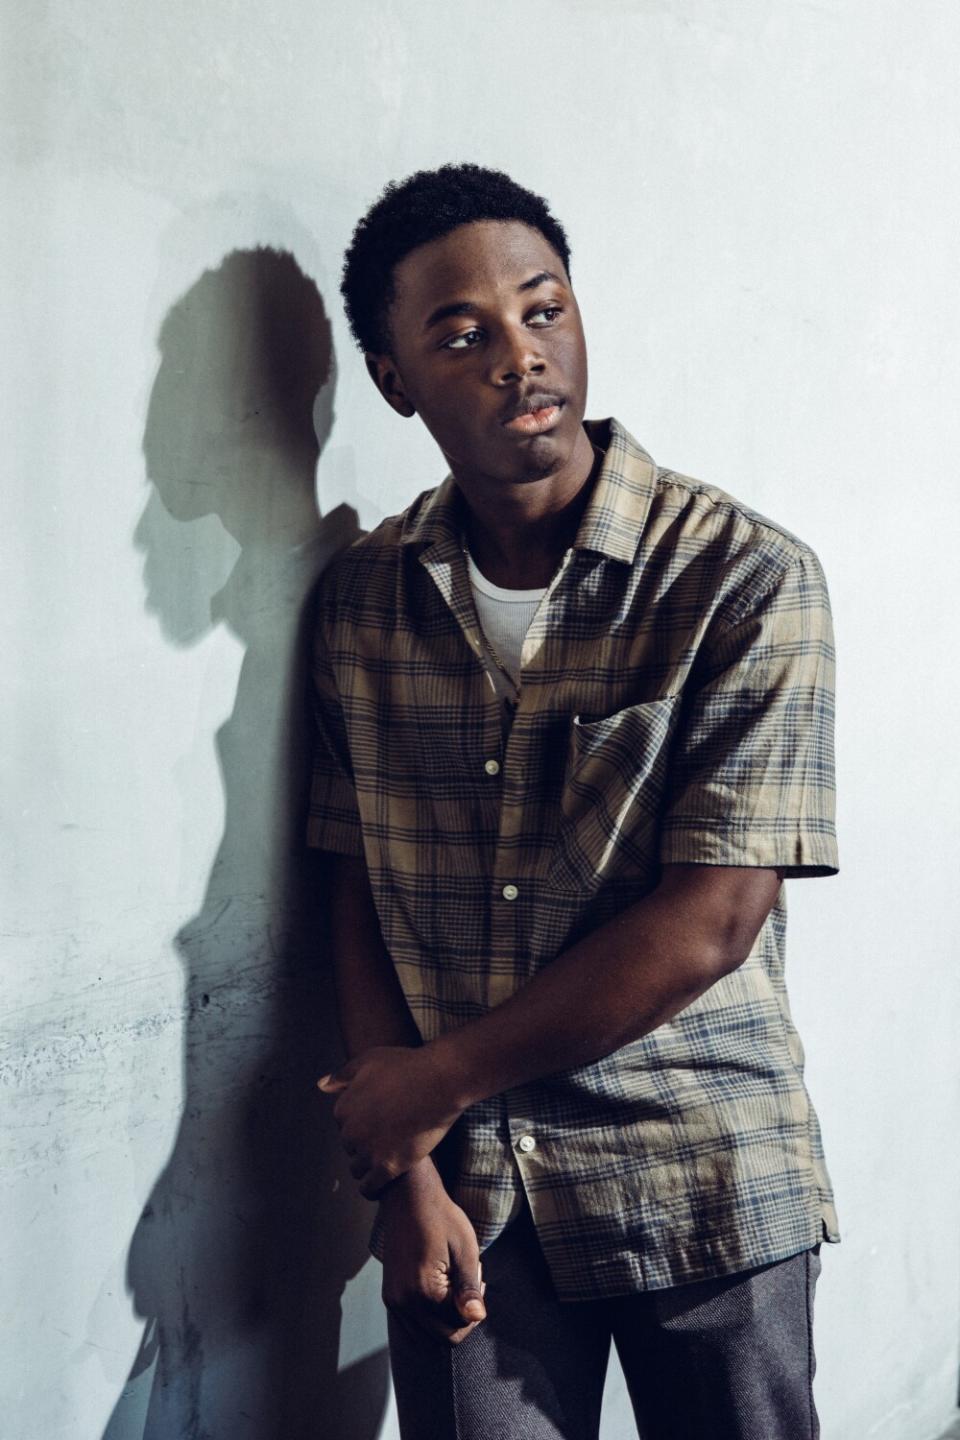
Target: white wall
(763,203)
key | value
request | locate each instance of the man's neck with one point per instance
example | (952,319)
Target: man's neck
(518,534)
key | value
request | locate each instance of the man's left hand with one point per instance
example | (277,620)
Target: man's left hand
(393,1108)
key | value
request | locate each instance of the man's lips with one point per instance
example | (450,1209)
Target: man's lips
(534,415)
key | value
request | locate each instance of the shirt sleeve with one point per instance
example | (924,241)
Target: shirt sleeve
(333,821)
(751,779)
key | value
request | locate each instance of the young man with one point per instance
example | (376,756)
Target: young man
(575,728)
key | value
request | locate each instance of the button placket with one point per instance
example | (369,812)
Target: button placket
(535,634)
(505,911)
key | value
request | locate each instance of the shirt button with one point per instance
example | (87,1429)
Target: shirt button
(526,1143)
(509,892)
(492,767)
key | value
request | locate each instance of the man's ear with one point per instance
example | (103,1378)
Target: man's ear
(383,371)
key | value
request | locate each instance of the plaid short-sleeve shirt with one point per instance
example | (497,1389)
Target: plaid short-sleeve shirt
(676,705)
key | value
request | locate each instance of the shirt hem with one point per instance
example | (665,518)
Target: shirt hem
(798,856)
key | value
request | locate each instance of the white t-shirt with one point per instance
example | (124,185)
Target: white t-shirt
(505,617)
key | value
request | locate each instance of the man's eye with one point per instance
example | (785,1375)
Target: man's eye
(549,314)
(466,341)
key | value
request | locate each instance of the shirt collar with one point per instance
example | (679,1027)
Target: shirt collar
(617,510)
(612,522)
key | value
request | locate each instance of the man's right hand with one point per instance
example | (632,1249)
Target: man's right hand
(431,1260)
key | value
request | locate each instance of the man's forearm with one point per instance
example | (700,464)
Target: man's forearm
(371,1007)
(421,1223)
(370,1002)
(633,974)
(395,1103)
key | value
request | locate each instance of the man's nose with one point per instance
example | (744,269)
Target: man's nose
(515,357)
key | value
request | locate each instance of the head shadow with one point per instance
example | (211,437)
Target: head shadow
(252,1230)
(239,411)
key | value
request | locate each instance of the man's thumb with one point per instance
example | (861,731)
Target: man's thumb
(468,1286)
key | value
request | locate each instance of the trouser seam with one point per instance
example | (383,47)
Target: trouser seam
(809,1307)
(454,1393)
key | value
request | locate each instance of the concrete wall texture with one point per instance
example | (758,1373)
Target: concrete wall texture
(763,203)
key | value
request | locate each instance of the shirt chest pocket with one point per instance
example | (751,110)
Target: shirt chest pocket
(611,801)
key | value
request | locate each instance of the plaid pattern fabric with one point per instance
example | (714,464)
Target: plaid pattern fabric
(676,706)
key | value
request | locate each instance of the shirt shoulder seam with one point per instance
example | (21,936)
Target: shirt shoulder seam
(722,500)
(793,552)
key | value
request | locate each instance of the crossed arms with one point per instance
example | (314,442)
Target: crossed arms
(397,1098)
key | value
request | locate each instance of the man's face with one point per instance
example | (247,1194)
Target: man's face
(488,349)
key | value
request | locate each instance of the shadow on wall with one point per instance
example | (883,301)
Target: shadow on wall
(240,1258)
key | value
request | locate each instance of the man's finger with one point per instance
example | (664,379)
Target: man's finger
(421,1321)
(468,1287)
(332,1084)
(470,1303)
(455,1336)
(442,1330)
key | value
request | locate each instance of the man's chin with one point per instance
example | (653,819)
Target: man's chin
(542,455)
(523,462)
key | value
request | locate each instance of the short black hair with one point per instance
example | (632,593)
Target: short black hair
(424,207)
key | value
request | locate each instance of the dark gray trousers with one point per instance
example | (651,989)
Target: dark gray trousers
(724,1359)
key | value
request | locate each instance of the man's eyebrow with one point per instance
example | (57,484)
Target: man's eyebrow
(539,279)
(466,307)
(443,312)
